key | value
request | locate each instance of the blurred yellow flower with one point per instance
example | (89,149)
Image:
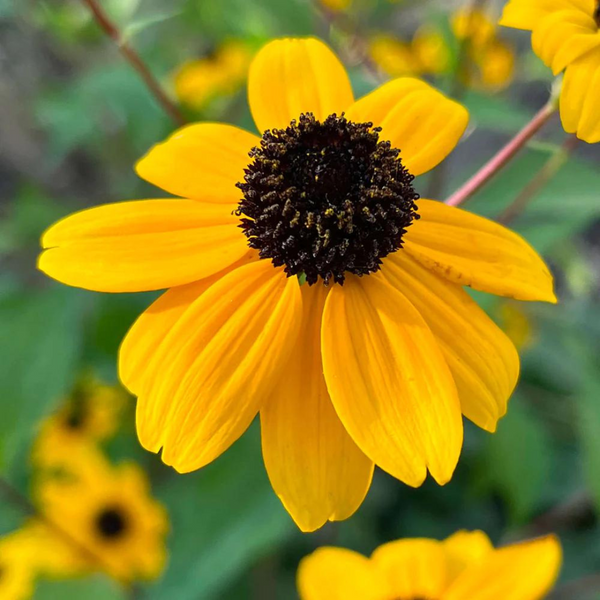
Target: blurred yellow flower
(17,571)
(490,63)
(566,36)
(377,370)
(517,324)
(336,5)
(108,511)
(222,74)
(393,56)
(90,414)
(463,567)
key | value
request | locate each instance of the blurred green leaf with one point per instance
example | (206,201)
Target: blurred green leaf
(91,588)
(516,461)
(40,334)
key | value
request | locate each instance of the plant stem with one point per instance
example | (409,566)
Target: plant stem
(553,165)
(503,157)
(134,59)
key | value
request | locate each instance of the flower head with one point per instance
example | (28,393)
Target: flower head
(308,283)
(566,36)
(17,570)
(463,567)
(108,512)
(88,415)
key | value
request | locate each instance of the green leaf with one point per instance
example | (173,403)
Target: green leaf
(90,588)
(516,461)
(40,335)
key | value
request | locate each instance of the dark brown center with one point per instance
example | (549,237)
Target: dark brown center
(326,198)
(111,523)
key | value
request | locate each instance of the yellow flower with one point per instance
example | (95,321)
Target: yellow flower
(516,324)
(463,567)
(336,5)
(566,36)
(495,65)
(431,50)
(473,25)
(392,55)
(90,414)
(17,572)
(376,370)
(108,511)
(199,81)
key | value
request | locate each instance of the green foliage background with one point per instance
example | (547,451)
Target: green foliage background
(74,118)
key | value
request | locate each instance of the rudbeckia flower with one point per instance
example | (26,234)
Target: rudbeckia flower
(197,82)
(90,414)
(393,56)
(566,36)
(308,283)
(16,568)
(463,567)
(108,511)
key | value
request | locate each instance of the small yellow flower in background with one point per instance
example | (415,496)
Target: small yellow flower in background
(336,5)
(17,571)
(310,284)
(108,511)
(222,74)
(431,50)
(465,566)
(491,61)
(517,324)
(393,56)
(566,36)
(90,414)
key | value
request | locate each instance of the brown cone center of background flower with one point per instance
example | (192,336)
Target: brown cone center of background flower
(111,523)
(597,13)
(326,198)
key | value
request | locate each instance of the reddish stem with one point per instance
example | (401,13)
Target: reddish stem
(503,157)
(136,62)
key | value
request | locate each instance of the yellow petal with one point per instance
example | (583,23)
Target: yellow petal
(414,568)
(316,469)
(217,364)
(523,571)
(579,97)
(292,76)
(482,359)
(340,574)
(202,161)
(389,382)
(142,245)
(526,14)
(152,326)
(464,549)
(562,36)
(470,250)
(423,123)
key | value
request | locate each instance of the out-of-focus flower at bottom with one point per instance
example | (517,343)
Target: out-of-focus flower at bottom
(89,414)
(116,526)
(463,567)
(223,73)
(16,570)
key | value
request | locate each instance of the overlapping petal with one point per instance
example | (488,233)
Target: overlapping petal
(293,76)
(524,571)
(203,161)
(464,549)
(217,364)
(423,123)
(314,466)
(414,568)
(473,251)
(562,36)
(482,359)
(526,14)
(389,382)
(340,574)
(142,245)
(579,97)
(153,325)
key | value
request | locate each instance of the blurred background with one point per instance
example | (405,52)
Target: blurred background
(75,116)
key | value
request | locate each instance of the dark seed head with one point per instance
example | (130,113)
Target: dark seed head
(326,198)
(597,13)
(111,523)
